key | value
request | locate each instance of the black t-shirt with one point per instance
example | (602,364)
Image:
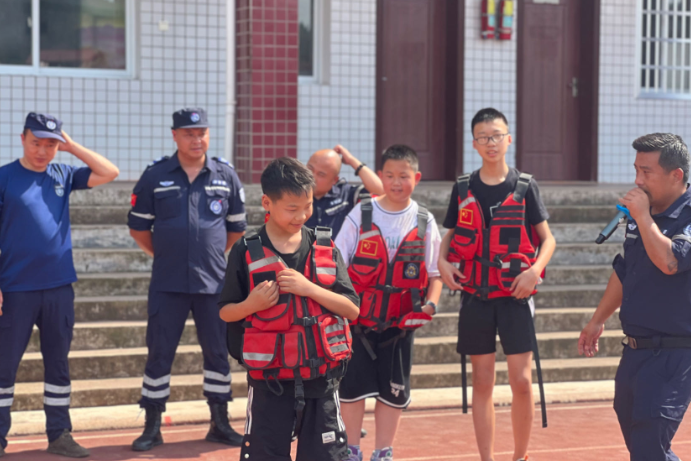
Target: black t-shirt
(490,197)
(236,290)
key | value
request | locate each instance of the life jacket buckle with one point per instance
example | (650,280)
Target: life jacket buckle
(306,321)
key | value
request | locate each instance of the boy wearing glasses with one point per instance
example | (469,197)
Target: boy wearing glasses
(496,223)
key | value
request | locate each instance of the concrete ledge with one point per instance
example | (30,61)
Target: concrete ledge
(195,412)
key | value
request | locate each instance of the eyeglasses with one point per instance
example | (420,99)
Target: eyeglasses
(495,138)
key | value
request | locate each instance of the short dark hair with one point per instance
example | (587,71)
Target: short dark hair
(488,114)
(673,151)
(401,152)
(286,174)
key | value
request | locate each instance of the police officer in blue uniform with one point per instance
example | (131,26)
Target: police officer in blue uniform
(195,205)
(333,196)
(652,284)
(36,268)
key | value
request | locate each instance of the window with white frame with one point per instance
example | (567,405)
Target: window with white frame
(66,37)
(313,21)
(665,48)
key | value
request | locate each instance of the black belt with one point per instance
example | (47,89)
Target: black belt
(658,342)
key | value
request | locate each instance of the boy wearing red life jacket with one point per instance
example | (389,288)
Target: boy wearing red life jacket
(288,299)
(496,223)
(390,245)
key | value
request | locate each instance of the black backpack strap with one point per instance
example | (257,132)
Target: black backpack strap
(422,220)
(366,210)
(463,184)
(522,187)
(255,247)
(323,235)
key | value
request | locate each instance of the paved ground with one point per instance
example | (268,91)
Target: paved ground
(576,432)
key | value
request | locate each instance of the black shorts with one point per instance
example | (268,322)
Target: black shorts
(388,376)
(479,321)
(271,420)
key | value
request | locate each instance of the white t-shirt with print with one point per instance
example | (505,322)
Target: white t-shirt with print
(394,226)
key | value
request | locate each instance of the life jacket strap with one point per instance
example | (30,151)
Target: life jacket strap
(522,186)
(305,321)
(272,382)
(388,289)
(422,220)
(299,401)
(365,342)
(463,184)
(323,235)
(487,262)
(366,210)
(255,247)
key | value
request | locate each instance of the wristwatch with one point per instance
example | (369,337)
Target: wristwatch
(434,306)
(357,170)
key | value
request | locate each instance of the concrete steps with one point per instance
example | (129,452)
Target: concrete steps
(137,283)
(109,354)
(122,338)
(104,260)
(185,387)
(117,214)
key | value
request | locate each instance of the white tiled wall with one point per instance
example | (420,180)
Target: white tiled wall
(128,120)
(623,117)
(342,111)
(490,81)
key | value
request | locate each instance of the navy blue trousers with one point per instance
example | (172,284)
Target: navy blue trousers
(652,393)
(52,311)
(167,315)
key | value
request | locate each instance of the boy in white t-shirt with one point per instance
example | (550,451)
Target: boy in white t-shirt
(390,246)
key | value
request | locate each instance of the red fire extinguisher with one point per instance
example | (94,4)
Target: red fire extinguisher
(505,19)
(489,18)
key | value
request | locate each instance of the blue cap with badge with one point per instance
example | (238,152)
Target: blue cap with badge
(190,118)
(44,126)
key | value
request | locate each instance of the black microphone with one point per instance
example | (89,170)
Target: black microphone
(612,226)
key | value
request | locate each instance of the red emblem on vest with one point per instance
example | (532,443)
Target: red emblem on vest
(466,216)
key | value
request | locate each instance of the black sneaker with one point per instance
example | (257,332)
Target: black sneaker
(66,446)
(2,451)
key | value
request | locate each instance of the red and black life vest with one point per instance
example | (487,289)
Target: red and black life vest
(297,339)
(391,292)
(491,257)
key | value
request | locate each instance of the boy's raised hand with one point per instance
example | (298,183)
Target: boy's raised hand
(448,273)
(291,281)
(264,296)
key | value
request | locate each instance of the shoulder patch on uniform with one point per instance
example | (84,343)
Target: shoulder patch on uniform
(158,160)
(224,161)
(687,230)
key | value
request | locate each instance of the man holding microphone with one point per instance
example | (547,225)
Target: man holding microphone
(652,284)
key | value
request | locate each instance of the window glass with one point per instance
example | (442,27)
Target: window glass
(306,20)
(15,32)
(83,34)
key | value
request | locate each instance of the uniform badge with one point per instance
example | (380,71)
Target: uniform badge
(59,190)
(242,195)
(166,183)
(216,207)
(369,248)
(687,230)
(194,117)
(51,125)
(632,226)
(412,271)
(466,216)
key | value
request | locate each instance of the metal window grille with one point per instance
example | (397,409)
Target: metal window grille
(665,48)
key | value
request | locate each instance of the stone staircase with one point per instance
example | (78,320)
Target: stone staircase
(109,346)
